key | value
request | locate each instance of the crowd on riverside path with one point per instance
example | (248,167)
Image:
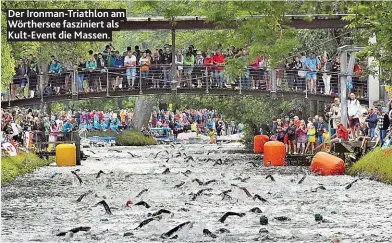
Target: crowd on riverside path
(300,136)
(56,127)
(316,74)
(206,122)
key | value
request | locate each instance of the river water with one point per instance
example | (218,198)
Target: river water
(36,207)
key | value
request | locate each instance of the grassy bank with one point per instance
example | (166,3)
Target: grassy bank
(126,138)
(11,167)
(376,164)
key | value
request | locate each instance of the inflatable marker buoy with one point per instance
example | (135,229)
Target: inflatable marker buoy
(327,164)
(258,143)
(128,203)
(274,153)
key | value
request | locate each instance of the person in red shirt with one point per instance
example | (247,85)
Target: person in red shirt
(209,62)
(219,62)
(256,73)
(341,135)
(100,116)
(357,79)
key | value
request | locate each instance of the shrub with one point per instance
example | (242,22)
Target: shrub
(376,164)
(11,167)
(107,133)
(133,138)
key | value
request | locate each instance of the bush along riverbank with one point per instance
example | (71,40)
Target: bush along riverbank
(375,165)
(12,167)
(126,138)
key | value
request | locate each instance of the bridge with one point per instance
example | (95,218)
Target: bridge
(274,83)
(310,21)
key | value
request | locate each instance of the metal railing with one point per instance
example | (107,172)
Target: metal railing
(142,78)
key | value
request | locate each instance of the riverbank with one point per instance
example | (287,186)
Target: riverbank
(376,165)
(12,167)
(125,138)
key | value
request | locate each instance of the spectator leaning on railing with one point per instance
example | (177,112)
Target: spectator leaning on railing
(194,64)
(130,64)
(326,68)
(312,64)
(144,63)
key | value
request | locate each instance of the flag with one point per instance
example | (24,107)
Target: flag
(10,148)
(29,139)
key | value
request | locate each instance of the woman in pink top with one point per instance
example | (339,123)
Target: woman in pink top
(53,135)
(301,134)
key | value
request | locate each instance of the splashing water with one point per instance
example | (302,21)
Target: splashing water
(36,207)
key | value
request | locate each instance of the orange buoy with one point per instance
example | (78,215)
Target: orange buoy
(259,141)
(274,153)
(327,164)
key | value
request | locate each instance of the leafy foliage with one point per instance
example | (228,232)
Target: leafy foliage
(64,50)
(7,62)
(377,18)
(95,104)
(376,164)
(12,167)
(133,138)
(253,112)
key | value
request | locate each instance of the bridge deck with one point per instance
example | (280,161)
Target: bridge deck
(152,91)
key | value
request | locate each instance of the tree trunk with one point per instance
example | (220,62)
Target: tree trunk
(142,113)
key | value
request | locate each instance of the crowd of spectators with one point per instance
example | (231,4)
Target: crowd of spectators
(194,68)
(189,120)
(300,136)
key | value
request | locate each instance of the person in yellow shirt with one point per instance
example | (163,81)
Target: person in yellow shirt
(193,126)
(211,133)
(311,137)
(326,139)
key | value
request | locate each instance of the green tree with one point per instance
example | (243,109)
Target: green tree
(64,50)
(376,17)
(7,61)
(253,112)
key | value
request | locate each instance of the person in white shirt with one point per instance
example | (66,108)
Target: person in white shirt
(179,58)
(354,111)
(130,63)
(335,115)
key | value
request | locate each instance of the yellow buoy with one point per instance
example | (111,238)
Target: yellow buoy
(66,155)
